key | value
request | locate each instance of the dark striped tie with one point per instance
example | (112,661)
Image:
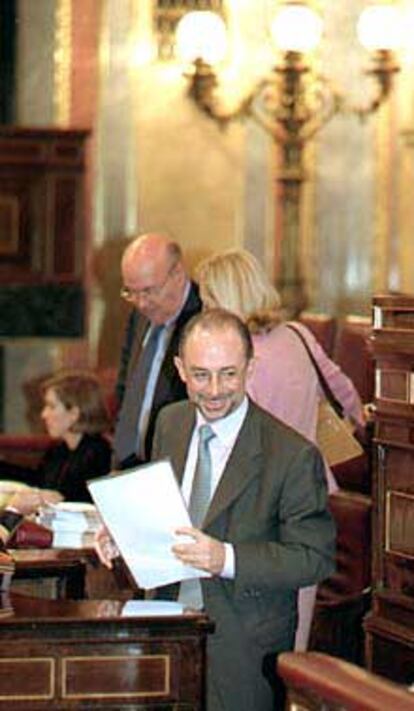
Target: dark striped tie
(127,440)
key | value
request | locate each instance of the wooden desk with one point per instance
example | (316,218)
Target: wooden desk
(65,654)
(63,570)
(318,681)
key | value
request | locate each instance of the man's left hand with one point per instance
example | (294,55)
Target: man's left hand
(204,552)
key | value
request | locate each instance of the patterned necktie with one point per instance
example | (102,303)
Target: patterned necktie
(201,489)
(127,439)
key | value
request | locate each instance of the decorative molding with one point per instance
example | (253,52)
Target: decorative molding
(152,676)
(62,62)
(41,669)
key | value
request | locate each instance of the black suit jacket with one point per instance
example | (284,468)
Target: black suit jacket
(169,387)
(66,470)
(271,504)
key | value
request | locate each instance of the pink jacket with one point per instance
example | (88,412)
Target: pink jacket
(285,383)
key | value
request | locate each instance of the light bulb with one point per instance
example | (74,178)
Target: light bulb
(296,28)
(201,35)
(380,27)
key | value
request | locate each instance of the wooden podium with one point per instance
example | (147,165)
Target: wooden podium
(67,654)
(390,626)
(51,572)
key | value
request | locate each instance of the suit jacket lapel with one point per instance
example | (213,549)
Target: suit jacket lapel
(241,468)
(191,306)
(182,441)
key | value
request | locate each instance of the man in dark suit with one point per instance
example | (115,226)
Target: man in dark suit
(157,286)
(266,531)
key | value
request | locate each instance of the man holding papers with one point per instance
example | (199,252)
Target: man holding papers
(256,493)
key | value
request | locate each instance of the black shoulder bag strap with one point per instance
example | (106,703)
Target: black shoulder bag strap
(322,380)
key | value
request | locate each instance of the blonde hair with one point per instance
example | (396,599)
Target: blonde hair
(236,281)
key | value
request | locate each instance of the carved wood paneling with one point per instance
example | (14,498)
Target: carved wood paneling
(390,626)
(42,251)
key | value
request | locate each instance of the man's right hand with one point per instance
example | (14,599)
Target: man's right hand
(105,547)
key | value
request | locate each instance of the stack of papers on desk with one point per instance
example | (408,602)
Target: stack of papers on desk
(6,570)
(6,608)
(73,524)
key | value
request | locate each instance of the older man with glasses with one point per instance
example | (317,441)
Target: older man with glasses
(163,298)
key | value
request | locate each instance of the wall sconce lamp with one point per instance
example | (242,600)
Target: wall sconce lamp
(292,104)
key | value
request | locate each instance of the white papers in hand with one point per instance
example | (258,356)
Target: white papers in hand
(142,508)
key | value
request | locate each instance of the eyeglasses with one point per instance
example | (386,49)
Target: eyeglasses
(149,292)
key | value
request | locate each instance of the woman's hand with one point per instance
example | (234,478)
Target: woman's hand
(369,412)
(29,501)
(50,497)
(25,502)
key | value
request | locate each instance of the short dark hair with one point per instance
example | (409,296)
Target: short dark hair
(81,389)
(218,319)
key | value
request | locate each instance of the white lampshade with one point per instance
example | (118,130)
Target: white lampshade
(201,35)
(297,28)
(380,27)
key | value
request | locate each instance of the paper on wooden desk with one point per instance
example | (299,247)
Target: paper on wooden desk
(142,508)
(152,608)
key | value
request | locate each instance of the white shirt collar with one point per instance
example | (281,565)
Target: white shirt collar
(225,428)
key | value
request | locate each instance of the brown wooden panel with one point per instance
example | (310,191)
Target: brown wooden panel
(41,225)
(393,312)
(393,341)
(399,524)
(65,225)
(9,224)
(121,676)
(393,385)
(19,247)
(399,467)
(390,629)
(14,150)
(391,651)
(394,431)
(38,675)
(353,354)
(71,153)
(41,231)
(399,575)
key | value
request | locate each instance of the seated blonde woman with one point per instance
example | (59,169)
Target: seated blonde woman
(75,416)
(284,380)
